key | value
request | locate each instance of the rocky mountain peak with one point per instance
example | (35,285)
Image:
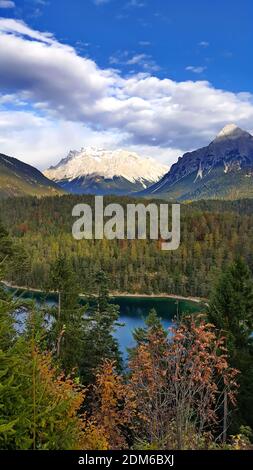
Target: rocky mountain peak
(221,169)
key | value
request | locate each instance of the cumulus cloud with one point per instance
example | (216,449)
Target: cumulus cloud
(59,90)
(7,4)
(42,141)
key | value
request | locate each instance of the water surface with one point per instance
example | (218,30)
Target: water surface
(133,311)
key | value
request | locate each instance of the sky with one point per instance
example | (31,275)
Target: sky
(159,77)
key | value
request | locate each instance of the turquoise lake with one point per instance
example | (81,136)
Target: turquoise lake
(133,311)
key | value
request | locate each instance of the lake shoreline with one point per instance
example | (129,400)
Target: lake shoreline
(117,294)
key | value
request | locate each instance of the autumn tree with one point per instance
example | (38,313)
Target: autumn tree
(113,406)
(180,385)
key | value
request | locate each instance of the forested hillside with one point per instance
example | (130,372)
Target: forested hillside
(213,234)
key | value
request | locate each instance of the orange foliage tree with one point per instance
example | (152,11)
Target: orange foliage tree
(114,406)
(181,385)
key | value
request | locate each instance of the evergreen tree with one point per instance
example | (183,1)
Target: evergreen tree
(231,310)
(141,335)
(231,305)
(6,250)
(99,342)
(67,331)
(39,406)
(152,322)
(8,389)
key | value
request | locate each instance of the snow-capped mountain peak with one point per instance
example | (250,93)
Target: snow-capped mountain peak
(231,131)
(97,163)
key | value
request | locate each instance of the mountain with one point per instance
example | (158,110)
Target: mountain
(19,179)
(98,171)
(223,169)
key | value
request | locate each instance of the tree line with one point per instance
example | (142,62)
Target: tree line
(213,234)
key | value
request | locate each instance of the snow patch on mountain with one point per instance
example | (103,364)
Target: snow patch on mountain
(199,174)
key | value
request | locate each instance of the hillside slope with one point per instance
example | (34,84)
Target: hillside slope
(19,179)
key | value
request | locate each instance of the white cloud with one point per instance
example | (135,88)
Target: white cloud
(7,4)
(42,141)
(196,69)
(204,44)
(55,99)
(137,59)
(19,29)
(143,61)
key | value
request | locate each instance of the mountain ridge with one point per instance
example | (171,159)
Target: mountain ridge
(100,171)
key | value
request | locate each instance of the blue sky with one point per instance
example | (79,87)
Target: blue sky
(157,76)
